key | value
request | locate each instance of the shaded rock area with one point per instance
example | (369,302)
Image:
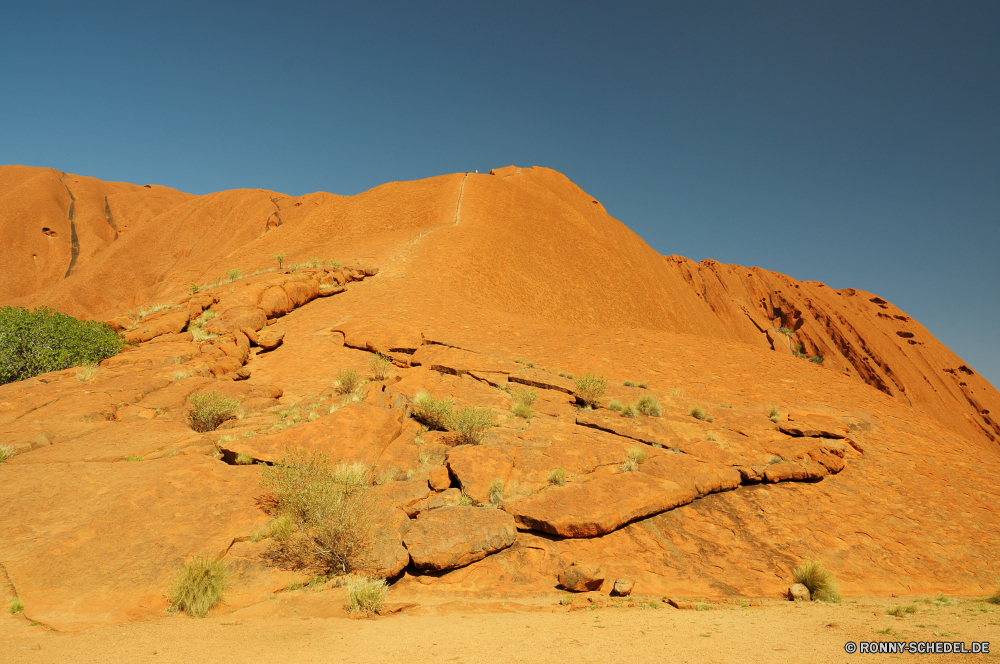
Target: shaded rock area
(452,537)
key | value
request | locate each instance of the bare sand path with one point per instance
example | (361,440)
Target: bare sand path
(761,631)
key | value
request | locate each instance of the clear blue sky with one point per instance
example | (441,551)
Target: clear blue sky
(855,143)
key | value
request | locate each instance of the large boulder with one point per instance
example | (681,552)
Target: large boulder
(598,506)
(452,537)
(581,578)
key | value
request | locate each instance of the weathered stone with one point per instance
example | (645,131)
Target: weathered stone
(797,591)
(380,335)
(679,604)
(440,479)
(598,506)
(702,476)
(447,498)
(813,425)
(386,557)
(235,319)
(356,432)
(452,537)
(275,302)
(794,470)
(269,339)
(623,587)
(580,577)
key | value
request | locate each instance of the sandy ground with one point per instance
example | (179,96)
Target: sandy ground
(737,630)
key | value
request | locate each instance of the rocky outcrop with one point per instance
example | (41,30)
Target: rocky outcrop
(452,537)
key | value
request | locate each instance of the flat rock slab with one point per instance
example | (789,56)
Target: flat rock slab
(598,506)
(380,335)
(691,473)
(457,361)
(813,425)
(452,537)
(356,432)
(97,543)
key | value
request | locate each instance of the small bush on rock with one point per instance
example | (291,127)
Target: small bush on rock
(697,413)
(380,366)
(818,579)
(243,459)
(210,410)
(199,587)
(43,340)
(347,380)
(435,413)
(615,405)
(472,424)
(638,454)
(330,506)
(525,395)
(590,388)
(649,405)
(558,476)
(15,606)
(6,452)
(629,410)
(366,594)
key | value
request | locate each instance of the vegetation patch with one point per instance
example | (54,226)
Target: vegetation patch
(328,510)
(901,610)
(199,587)
(366,594)
(472,424)
(523,410)
(818,579)
(348,380)
(649,405)
(43,340)
(774,414)
(495,492)
(243,459)
(638,454)
(557,477)
(210,410)
(435,413)
(6,452)
(697,413)
(380,366)
(629,410)
(15,606)
(591,388)
(615,405)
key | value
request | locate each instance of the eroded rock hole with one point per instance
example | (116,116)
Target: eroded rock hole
(48,231)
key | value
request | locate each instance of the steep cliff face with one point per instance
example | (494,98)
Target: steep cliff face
(520,240)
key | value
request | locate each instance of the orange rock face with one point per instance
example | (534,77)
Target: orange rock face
(481,290)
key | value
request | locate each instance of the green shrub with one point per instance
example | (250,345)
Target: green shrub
(380,366)
(523,410)
(649,405)
(244,459)
(558,476)
(6,452)
(628,383)
(697,413)
(615,405)
(465,501)
(590,388)
(43,340)
(629,410)
(366,594)
(280,258)
(816,359)
(199,587)
(233,274)
(643,384)
(495,492)
(785,330)
(774,414)
(330,506)
(638,454)
(282,527)
(348,380)
(15,606)
(818,579)
(133,458)
(435,413)
(901,610)
(210,410)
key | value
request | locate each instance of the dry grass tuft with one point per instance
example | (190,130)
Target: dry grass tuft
(366,594)
(523,410)
(629,410)
(649,405)
(697,413)
(558,477)
(199,587)
(348,380)
(244,459)
(380,366)
(901,610)
(6,452)
(638,454)
(495,492)
(591,388)
(87,372)
(15,606)
(818,579)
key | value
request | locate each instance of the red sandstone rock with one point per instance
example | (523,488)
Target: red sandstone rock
(451,537)
(580,577)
